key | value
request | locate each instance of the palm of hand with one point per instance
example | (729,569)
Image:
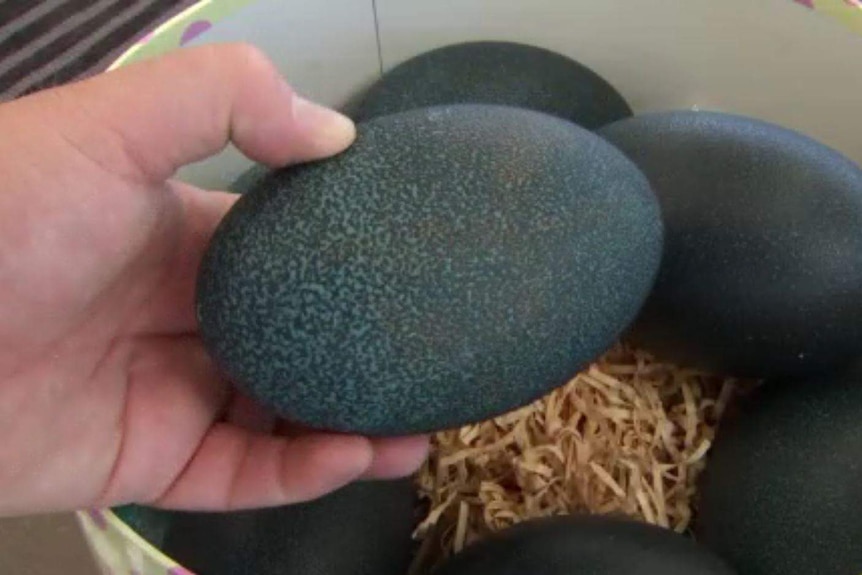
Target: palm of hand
(106,394)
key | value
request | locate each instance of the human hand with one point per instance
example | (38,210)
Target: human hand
(106,394)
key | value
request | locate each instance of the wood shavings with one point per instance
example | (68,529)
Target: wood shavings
(628,436)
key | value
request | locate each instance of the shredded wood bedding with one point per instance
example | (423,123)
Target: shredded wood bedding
(627,436)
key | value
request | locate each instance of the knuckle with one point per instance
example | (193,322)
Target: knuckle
(235,59)
(250,59)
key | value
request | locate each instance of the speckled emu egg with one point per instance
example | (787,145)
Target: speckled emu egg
(584,545)
(502,73)
(364,528)
(782,491)
(455,263)
(762,270)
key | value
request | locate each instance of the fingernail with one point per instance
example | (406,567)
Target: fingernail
(327,131)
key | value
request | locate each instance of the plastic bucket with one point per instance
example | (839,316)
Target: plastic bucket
(779,60)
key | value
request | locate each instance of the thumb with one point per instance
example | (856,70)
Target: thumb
(151,118)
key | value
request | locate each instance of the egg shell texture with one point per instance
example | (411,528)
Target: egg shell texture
(361,529)
(454,264)
(762,269)
(502,73)
(585,545)
(782,491)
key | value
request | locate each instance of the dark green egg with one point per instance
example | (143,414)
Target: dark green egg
(362,529)
(584,546)
(501,73)
(454,264)
(782,492)
(762,268)
(249,178)
(148,522)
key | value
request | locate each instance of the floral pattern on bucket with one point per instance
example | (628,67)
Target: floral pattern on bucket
(180,30)
(849,12)
(194,30)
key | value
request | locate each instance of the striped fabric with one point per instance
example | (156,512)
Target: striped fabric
(48,42)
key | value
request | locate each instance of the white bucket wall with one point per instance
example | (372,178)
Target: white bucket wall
(772,59)
(327,49)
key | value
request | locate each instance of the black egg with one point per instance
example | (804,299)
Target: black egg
(362,529)
(249,178)
(501,73)
(762,268)
(782,491)
(584,546)
(148,522)
(452,265)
